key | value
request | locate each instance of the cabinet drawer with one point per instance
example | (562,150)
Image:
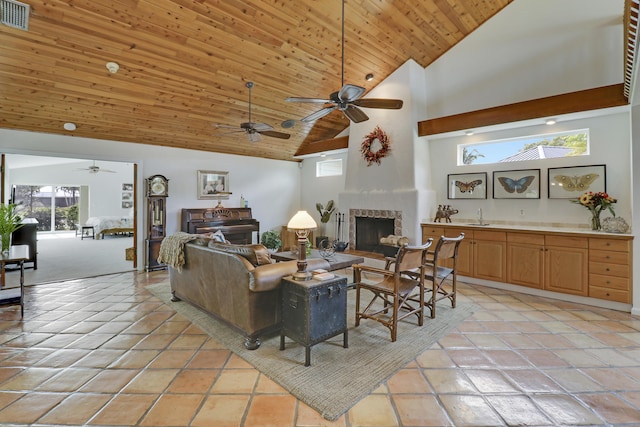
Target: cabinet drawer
(493,236)
(455,232)
(609,282)
(617,270)
(531,239)
(429,231)
(609,294)
(610,245)
(621,258)
(567,241)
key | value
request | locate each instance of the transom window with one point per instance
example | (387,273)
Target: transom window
(533,147)
(329,168)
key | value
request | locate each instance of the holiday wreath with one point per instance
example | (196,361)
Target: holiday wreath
(375,156)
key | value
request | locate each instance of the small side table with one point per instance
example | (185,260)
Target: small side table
(313,311)
(18,254)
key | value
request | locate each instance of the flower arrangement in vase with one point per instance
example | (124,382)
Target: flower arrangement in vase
(596,203)
(9,222)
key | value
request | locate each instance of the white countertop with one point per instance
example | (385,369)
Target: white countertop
(506,226)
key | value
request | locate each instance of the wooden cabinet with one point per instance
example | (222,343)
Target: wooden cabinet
(610,269)
(566,264)
(525,255)
(596,265)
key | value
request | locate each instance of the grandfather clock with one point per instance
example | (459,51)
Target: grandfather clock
(157,191)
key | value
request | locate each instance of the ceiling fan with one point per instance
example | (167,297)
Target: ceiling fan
(252,129)
(347,98)
(95,169)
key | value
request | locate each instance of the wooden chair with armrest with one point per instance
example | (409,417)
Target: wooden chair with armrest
(440,268)
(395,294)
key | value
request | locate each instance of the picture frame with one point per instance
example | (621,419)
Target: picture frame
(127,187)
(572,182)
(213,185)
(127,204)
(467,185)
(516,184)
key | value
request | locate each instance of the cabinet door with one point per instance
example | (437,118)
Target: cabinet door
(566,270)
(430,231)
(525,265)
(465,250)
(489,260)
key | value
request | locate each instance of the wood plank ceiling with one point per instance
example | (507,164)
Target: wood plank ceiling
(184,64)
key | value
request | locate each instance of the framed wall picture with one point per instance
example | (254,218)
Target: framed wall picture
(127,187)
(571,182)
(467,186)
(213,185)
(516,184)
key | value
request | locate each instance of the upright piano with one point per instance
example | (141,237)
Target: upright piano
(236,224)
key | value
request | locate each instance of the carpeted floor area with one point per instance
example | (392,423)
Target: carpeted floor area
(338,377)
(62,256)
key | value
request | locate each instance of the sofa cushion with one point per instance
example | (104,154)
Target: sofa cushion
(255,254)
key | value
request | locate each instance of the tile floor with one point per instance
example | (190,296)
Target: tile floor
(104,351)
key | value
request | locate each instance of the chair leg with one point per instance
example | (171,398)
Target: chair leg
(357,305)
(454,291)
(434,297)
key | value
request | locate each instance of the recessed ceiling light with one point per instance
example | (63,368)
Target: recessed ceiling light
(70,126)
(288,123)
(368,77)
(551,121)
(469,133)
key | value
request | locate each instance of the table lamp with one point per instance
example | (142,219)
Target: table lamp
(301,223)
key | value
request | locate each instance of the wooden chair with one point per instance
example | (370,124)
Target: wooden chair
(395,291)
(439,268)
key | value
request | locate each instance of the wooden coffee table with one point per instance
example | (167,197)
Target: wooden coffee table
(337,261)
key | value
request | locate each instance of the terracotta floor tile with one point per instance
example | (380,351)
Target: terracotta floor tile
(490,381)
(236,381)
(435,358)
(470,411)
(507,359)
(222,411)
(209,359)
(155,342)
(518,410)
(77,409)
(134,359)
(449,381)
(565,410)
(172,359)
(579,358)
(29,379)
(486,341)
(267,386)
(271,411)
(421,411)
(533,381)
(543,358)
(193,381)
(611,408)
(30,407)
(473,358)
(7,398)
(69,380)
(307,417)
(109,381)
(100,358)
(124,410)
(173,410)
(408,381)
(188,341)
(373,411)
(613,379)
(151,381)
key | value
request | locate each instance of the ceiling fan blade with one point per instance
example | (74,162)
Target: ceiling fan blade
(355,114)
(258,127)
(229,132)
(314,100)
(350,92)
(224,126)
(274,134)
(389,104)
(318,114)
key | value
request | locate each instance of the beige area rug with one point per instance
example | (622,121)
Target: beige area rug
(338,377)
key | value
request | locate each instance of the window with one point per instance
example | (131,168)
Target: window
(329,168)
(534,147)
(55,207)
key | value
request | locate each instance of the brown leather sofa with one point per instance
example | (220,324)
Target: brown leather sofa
(238,284)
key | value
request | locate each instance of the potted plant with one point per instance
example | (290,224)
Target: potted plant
(9,222)
(325,217)
(271,240)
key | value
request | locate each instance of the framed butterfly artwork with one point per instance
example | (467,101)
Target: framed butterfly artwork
(572,182)
(516,184)
(467,185)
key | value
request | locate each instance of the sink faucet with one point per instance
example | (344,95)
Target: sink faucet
(480,216)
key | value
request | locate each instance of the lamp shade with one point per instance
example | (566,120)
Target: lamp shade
(302,221)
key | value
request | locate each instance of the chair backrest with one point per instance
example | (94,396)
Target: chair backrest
(447,248)
(411,257)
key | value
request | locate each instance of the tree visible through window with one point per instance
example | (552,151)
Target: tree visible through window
(572,143)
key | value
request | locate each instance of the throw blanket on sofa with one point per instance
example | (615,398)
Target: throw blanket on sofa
(172,249)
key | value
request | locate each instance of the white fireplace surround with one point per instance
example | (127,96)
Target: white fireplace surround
(373,213)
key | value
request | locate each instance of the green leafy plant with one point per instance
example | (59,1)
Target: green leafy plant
(325,214)
(271,239)
(9,222)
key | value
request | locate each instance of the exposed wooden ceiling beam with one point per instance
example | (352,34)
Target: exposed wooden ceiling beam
(584,100)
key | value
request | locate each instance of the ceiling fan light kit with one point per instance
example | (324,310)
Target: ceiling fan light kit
(347,98)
